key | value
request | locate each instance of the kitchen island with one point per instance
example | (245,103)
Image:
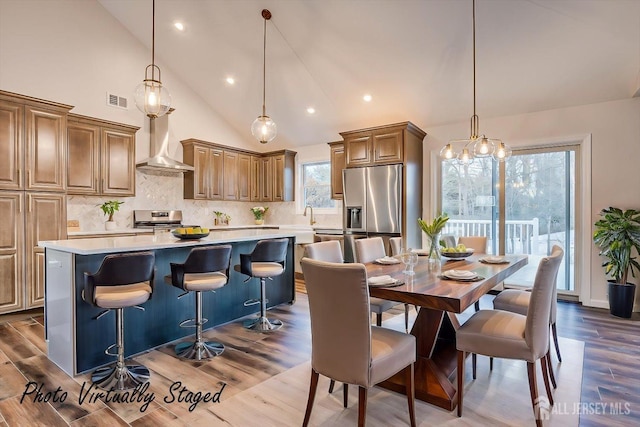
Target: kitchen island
(76,340)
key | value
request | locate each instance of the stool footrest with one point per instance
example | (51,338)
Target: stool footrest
(192,323)
(109,348)
(251,302)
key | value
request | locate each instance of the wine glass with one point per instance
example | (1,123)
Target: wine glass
(409,259)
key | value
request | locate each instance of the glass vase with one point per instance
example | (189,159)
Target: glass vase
(434,249)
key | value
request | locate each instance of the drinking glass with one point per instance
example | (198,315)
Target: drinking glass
(409,259)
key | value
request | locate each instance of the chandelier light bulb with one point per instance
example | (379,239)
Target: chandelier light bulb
(465,157)
(484,147)
(447,152)
(502,152)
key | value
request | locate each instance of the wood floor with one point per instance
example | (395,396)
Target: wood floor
(611,373)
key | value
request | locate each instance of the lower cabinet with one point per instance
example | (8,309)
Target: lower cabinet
(27,217)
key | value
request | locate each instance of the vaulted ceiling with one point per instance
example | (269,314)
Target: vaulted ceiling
(413,56)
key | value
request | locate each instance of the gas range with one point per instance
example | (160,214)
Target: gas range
(157,219)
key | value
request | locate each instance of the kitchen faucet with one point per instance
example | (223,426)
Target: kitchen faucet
(311,220)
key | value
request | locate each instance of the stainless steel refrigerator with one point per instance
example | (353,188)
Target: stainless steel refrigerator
(372,204)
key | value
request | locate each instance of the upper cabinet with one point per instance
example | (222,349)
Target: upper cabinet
(225,173)
(381,145)
(32,143)
(100,157)
(338,163)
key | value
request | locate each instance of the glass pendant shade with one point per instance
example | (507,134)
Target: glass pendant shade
(264,129)
(152,98)
(483,147)
(502,152)
(447,152)
(465,157)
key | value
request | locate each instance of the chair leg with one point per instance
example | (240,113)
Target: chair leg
(552,377)
(410,391)
(554,332)
(312,395)
(491,363)
(476,305)
(362,406)
(378,319)
(199,349)
(474,360)
(545,375)
(262,324)
(460,375)
(406,318)
(533,389)
(345,394)
(332,384)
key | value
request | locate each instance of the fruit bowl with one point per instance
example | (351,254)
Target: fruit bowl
(457,255)
(191,233)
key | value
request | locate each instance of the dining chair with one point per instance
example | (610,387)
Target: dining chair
(479,246)
(344,344)
(369,250)
(517,301)
(449,240)
(395,243)
(498,333)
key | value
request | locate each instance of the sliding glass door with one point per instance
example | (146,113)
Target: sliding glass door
(524,206)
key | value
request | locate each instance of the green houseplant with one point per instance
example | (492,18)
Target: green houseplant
(109,208)
(617,235)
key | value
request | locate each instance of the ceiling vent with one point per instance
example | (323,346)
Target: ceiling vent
(116,101)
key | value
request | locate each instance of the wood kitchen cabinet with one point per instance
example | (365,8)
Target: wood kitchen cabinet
(11,251)
(225,173)
(32,143)
(338,163)
(381,145)
(100,157)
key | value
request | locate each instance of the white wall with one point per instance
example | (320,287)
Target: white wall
(614,128)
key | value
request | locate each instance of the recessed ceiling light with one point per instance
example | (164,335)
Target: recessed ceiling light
(179,26)
(367,98)
(230,80)
(311,110)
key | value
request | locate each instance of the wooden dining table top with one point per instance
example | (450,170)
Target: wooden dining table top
(427,289)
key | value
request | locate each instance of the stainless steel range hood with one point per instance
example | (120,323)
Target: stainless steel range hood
(159,160)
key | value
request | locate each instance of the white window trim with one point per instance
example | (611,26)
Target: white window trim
(300,186)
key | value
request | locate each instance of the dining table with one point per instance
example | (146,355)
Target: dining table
(440,300)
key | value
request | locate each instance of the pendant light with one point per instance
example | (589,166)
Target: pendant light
(263,128)
(477,145)
(150,96)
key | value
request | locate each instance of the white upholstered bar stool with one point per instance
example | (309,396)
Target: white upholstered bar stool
(205,269)
(517,301)
(369,250)
(123,280)
(264,262)
(498,333)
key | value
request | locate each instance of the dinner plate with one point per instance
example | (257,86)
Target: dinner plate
(385,280)
(460,274)
(388,260)
(494,260)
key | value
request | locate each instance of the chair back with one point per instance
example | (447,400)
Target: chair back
(477,243)
(120,269)
(203,259)
(328,251)
(396,245)
(537,327)
(273,250)
(340,320)
(449,240)
(368,250)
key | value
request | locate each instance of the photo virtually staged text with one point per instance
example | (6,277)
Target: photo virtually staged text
(177,393)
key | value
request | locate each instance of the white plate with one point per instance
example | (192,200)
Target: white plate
(494,259)
(388,260)
(460,274)
(381,280)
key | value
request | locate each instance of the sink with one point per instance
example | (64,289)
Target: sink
(304,233)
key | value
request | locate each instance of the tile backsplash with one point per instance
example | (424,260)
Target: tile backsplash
(163,192)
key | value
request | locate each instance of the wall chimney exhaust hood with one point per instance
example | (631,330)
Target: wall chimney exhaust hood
(159,160)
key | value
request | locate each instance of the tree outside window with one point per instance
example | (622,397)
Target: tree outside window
(316,184)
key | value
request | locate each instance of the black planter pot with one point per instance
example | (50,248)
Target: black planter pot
(621,297)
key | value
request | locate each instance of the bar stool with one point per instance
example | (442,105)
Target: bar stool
(206,269)
(266,261)
(123,280)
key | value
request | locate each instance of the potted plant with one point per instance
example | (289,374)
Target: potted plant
(221,218)
(258,214)
(109,208)
(617,234)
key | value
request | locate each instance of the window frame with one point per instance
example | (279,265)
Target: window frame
(301,189)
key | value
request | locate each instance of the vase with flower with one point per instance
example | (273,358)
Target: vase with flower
(259,213)
(432,230)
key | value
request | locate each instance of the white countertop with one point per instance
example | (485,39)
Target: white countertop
(109,232)
(104,245)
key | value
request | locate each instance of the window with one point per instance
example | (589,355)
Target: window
(316,185)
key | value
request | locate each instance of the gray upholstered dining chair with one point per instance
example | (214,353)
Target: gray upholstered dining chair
(369,250)
(517,301)
(479,246)
(498,333)
(344,344)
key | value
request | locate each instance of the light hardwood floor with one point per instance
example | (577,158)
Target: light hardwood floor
(267,379)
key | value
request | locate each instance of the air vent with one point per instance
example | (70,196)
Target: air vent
(116,101)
